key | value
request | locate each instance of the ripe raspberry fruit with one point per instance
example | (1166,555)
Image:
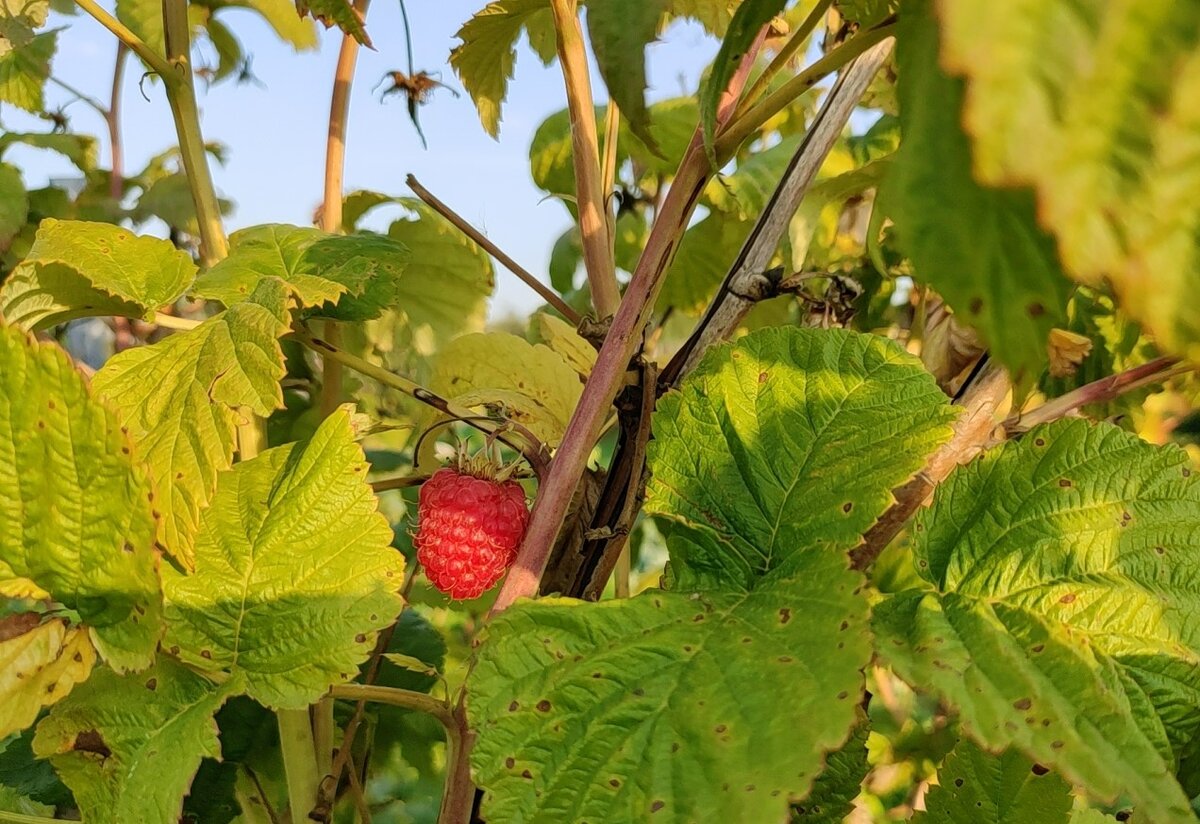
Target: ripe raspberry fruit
(470,525)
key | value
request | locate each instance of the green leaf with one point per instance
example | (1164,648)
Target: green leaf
(531,383)
(619,31)
(694,707)
(340,13)
(484,60)
(39,667)
(866,12)
(834,791)
(144,18)
(833,191)
(281,16)
(749,18)
(79,149)
(975,785)
(317,267)
(672,124)
(178,399)
(128,746)
(79,269)
(23,72)
(77,524)
(356,204)
(706,251)
(14,203)
(713,15)
(18,19)
(565,257)
(1062,621)
(170,200)
(747,190)
(23,772)
(439,254)
(980,248)
(771,449)
(294,571)
(1107,93)
(566,341)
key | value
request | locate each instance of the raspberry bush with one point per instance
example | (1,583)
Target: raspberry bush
(857,434)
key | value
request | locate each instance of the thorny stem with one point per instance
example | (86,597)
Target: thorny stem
(403,482)
(181,94)
(138,46)
(612,362)
(746,123)
(972,432)
(1098,391)
(549,295)
(589,191)
(796,41)
(525,442)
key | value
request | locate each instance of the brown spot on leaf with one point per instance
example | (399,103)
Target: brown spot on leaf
(1069,598)
(657,805)
(1064,483)
(1056,745)
(360,638)
(1023,704)
(785,615)
(1036,310)
(152,684)
(514,706)
(526,774)
(762,377)
(91,741)
(1038,769)
(206,654)
(543,706)
(510,762)
(846,507)
(975,305)
(958,782)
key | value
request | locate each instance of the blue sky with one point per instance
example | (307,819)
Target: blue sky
(276,135)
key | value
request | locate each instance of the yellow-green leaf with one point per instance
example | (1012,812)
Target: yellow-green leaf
(531,383)
(76,524)
(79,269)
(1093,103)
(295,571)
(39,668)
(179,399)
(128,746)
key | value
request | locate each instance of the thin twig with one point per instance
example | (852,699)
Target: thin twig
(589,192)
(608,169)
(357,792)
(545,292)
(612,362)
(1099,391)
(535,452)
(80,96)
(403,482)
(112,119)
(748,281)
(972,432)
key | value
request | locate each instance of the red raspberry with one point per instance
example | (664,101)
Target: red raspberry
(469,530)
